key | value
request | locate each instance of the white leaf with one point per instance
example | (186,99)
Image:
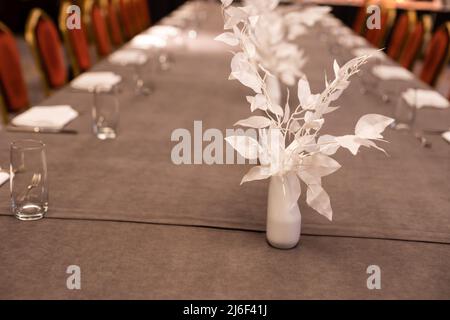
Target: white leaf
(233,16)
(276,109)
(257,102)
(257,122)
(247,147)
(318,199)
(242,70)
(319,165)
(328,144)
(336,68)
(294,126)
(371,126)
(304,91)
(226,3)
(349,142)
(228,38)
(256,173)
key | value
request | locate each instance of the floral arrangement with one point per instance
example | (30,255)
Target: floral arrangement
(290,142)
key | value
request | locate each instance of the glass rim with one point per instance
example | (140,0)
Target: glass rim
(27,144)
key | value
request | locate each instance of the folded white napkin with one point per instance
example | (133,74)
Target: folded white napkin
(446,136)
(127,57)
(163,31)
(90,80)
(375,53)
(354,41)
(148,41)
(341,31)
(392,73)
(54,117)
(3,178)
(425,98)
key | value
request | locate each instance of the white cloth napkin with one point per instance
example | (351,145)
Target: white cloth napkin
(54,117)
(148,41)
(392,73)
(354,41)
(375,53)
(3,178)
(90,80)
(425,98)
(164,31)
(446,136)
(127,57)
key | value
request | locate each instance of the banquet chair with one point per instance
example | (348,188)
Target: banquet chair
(415,41)
(436,55)
(402,29)
(42,36)
(377,37)
(95,20)
(75,41)
(127,18)
(111,8)
(145,13)
(359,24)
(142,14)
(13,90)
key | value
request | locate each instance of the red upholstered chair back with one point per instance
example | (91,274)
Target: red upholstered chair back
(115,31)
(436,55)
(359,24)
(43,38)
(377,36)
(76,42)
(127,17)
(12,84)
(144,11)
(400,33)
(100,31)
(414,43)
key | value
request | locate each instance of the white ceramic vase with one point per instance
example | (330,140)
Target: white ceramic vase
(283,223)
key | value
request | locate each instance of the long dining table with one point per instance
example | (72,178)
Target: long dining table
(141,227)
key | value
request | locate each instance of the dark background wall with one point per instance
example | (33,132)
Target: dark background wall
(15,12)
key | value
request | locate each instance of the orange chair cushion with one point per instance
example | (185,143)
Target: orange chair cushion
(399,36)
(50,49)
(412,46)
(101,32)
(435,56)
(11,78)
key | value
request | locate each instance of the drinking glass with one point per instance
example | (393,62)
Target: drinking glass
(106,112)
(141,70)
(28,180)
(405,112)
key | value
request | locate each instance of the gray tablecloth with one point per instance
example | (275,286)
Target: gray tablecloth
(115,184)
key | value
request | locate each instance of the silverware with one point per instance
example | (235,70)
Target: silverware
(39,130)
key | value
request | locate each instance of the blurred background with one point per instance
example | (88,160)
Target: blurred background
(15,12)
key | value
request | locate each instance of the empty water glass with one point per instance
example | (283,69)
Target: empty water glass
(28,180)
(405,111)
(143,70)
(106,112)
